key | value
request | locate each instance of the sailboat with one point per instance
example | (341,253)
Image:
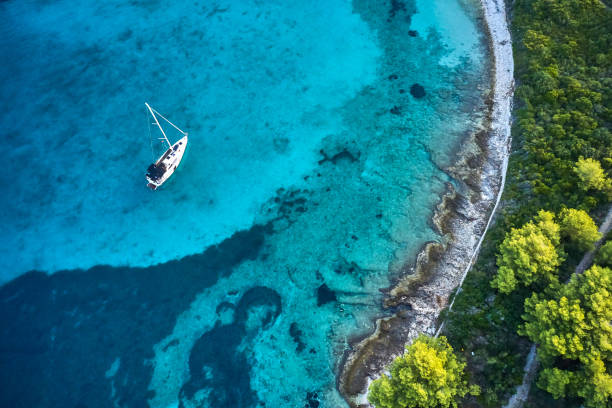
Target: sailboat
(162,169)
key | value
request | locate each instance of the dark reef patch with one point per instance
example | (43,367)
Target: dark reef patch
(312,400)
(325,295)
(53,326)
(296,334)
(417,91)
(344,154)
(289,204)
(216,364)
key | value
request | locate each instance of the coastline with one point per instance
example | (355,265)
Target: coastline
(462,218)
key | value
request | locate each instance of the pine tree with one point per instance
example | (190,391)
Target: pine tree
(529,254)
(591,174)
(428,375)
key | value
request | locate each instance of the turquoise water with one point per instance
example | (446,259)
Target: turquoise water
(313,167)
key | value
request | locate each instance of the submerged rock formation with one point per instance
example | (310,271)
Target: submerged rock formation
(417,91)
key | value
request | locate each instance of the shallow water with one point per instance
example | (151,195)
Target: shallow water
(309,181)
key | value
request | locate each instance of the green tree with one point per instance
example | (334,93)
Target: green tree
(604,255)
(591,174)
(591,382)
(579,229)
(572,327)
(529,254)
(428,375)
(558,326)
(556,381)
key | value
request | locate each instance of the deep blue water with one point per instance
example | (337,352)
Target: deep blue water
(319,135)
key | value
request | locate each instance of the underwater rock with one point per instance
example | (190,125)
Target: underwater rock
(325,295)
(296,334)
(343,154)
(288,204)
(396,110)
(417,91)
(413,33)
(312,400)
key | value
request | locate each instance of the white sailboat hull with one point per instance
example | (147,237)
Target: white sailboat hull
(166,165)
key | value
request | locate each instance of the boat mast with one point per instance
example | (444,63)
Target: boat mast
(158,125)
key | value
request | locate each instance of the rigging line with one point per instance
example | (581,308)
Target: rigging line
(150,138)
(161,129)
(162,116)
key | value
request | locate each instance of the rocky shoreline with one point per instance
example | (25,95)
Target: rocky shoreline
(462,218)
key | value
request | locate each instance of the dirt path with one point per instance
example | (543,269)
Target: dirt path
(531,366)
(522,391)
